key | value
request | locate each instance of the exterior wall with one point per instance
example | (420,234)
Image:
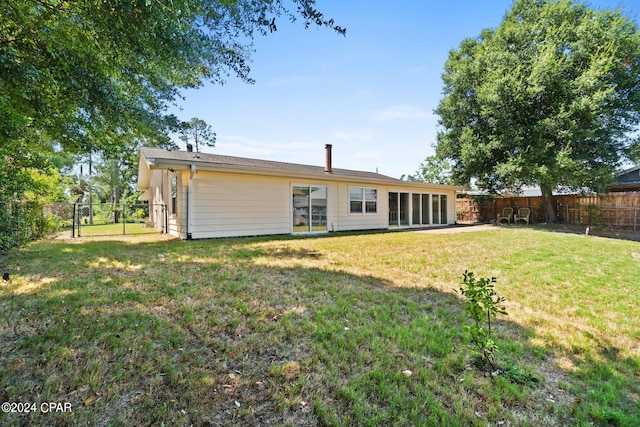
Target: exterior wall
(347,221)
(161,196)
(157,200)
(226,205)
(233,204)
(177,223)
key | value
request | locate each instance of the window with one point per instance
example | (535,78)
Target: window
(439,208)
(443,209)
(363,200)
(174,195)
(425,209)
(415,209)
(435,208)
(370,200)
(356,198)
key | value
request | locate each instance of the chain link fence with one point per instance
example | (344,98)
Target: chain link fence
(21,222)
(106,219)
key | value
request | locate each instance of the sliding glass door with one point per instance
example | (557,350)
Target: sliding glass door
(393,209)
(425,209)
(435,209)
(443,209)
(309,208)
(420,209)
(398,209)
(439,208)
(415,209)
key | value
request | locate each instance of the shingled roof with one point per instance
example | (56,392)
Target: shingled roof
(155,155)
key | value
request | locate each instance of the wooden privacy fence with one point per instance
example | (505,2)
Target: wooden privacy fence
(613,210)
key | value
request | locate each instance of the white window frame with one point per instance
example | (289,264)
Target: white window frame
(173,194)
(363,200)
(309,218)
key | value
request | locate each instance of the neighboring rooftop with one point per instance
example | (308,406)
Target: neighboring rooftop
(627,180)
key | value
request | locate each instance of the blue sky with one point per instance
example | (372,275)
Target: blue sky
(371,94)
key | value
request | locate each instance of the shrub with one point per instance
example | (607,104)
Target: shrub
(21,222)
(482,304)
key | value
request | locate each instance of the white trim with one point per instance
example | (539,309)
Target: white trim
(364,200)
(176,164)
(190,201)
(409,212)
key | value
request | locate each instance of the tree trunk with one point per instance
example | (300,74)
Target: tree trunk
(549,205)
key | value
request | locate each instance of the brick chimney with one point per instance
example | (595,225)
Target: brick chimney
(327,163)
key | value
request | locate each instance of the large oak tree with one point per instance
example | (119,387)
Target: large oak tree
(549,98)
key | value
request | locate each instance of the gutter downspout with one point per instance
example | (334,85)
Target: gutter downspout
(190,200)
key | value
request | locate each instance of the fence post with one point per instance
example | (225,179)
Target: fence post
(73,222)
(79,217)
(471,210)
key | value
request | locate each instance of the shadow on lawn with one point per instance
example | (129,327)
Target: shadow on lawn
(227,332)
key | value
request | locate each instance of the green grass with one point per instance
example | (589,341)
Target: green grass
(114,229)
(318,331)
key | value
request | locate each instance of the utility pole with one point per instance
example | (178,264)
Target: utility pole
(90,192)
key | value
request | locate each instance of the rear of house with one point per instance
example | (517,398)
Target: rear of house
(209,196)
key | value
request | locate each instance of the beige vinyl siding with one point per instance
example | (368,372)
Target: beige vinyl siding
(161,190)
(227,205)
(361,221)
(451,208)
(235,204)
(158,199)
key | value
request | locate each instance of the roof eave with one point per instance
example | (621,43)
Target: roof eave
(176,164)
(144,174)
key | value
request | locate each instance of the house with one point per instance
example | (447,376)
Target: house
(198,195)
(627,180)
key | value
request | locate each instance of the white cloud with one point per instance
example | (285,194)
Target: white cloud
(400,112)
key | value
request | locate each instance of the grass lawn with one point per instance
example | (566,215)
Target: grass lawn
(318,331)
(114,229)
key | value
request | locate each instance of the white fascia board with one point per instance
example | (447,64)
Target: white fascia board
(144,174)
(207,167)
(427,186)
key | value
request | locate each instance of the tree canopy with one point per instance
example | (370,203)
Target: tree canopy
(198,131)
(432,170)
(101,75)
(549,98)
